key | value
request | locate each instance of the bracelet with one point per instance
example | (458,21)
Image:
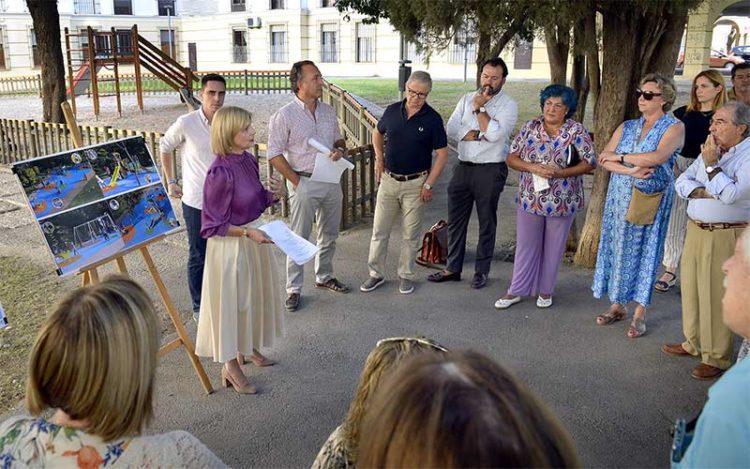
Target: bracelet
(171,181)
(622,159)
(244,232)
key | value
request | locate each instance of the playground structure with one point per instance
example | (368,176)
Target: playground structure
(89,232)
(110,50)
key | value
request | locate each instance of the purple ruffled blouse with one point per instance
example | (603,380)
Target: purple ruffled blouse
(232,194)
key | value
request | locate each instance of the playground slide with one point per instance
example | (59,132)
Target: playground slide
(82,79)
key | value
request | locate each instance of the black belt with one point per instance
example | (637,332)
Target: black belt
(405,177)
(304,174)
(469,163)
(719,226)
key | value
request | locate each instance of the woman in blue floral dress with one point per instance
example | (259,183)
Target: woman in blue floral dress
(640,156)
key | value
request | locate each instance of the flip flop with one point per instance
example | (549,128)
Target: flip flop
(663,286)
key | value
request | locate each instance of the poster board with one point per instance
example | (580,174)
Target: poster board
(95,202)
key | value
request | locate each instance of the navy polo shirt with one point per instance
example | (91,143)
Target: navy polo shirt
(410,142)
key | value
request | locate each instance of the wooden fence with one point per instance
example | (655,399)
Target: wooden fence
(21,85)
(238,81)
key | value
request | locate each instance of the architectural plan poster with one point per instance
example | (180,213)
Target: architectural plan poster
(95,202)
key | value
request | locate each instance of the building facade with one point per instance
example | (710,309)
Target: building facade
(250,34)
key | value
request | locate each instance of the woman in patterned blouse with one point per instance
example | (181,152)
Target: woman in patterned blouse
(551,152)
(94,363)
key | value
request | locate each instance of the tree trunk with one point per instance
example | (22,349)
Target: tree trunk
(579,79)
(46,22)
(487,49)
(623,66)
(557,38)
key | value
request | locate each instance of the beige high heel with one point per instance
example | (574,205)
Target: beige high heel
(256,359)
(227,380)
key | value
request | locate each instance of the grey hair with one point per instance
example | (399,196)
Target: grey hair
(422,77)
(740,115)
(666,86)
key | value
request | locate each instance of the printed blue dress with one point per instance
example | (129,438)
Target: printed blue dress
(629,255)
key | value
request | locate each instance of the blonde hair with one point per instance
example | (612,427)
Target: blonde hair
(380,362)
(226,124)
(714,77)
(95,359)
(460,410)
(666,87)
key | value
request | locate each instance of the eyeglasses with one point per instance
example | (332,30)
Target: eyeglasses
(419,340)
(647,95)
(416,94)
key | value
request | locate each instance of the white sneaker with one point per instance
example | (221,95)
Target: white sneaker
(543,302)
(502,303)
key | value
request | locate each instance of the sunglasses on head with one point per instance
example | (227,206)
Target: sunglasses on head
(419,340)
(647,95)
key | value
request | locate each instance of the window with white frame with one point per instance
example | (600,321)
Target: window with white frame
(86,7)
(328,42)
(278,44)
(277,5)
(166,7)
(327,3)
(3,64)
(238,5)
(463,47)
(411,52)
(365,47)
(35,59)
(239,46)
(166,39)
(123,7)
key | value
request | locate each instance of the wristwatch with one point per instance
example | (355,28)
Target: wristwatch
(244,232)
(427,186)
(171,181)
(712,169)
(480,110)
(342,150)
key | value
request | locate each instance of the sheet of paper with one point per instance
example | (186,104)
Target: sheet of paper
(318,146)
(327,170)
(300,250)
(540,183)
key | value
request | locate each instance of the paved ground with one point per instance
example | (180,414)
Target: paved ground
(617,396)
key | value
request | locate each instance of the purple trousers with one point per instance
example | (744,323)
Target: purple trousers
(540,245)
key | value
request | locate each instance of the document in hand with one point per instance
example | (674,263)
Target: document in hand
(327,170)
(540,183)
(300,250)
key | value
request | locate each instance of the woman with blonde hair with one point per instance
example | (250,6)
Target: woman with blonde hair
(460,410)
(241,301)
(94,362)
(340,450)
(640,155)
(708,94)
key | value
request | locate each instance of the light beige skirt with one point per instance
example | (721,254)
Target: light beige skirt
(242,298)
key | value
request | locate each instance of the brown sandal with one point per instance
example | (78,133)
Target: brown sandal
(612,316)
(637,328)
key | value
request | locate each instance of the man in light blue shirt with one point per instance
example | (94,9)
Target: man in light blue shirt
(717,185)
(722,436)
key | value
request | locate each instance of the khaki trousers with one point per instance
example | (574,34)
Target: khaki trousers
(396,198)
(702,290)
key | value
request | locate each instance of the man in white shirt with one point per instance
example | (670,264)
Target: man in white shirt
(481,124)
(289,130)
(717,185)
(192,131)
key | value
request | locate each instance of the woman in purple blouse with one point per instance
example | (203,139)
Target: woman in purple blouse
(242,299)
(551,153)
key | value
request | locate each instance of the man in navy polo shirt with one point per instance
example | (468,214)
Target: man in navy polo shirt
(406,176)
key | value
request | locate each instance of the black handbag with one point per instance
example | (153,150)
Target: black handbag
(572,157)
